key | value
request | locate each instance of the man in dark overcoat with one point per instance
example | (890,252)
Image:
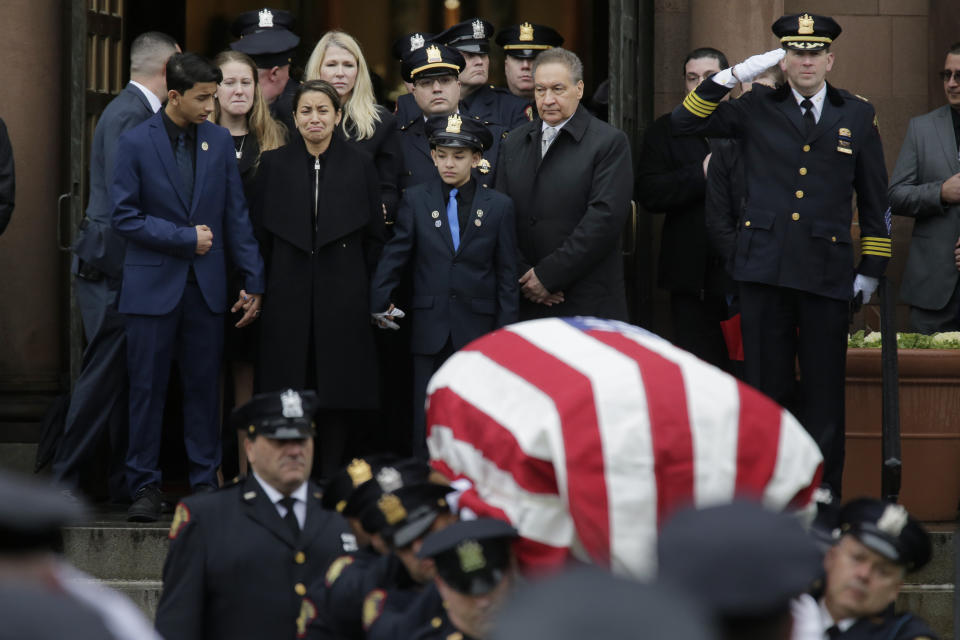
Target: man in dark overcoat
(570,177)
(241,558)
(807,148)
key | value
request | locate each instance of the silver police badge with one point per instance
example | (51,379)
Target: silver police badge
(266,19)
(389,479)
(416,42)
(479,33)
(893,520)
(292,406)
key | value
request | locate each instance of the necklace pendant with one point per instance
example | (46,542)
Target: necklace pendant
(239,154)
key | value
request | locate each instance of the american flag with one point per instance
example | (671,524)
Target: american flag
(587,434)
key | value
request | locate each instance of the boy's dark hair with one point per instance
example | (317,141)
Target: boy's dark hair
(317,86)
(705,52)
(187,69)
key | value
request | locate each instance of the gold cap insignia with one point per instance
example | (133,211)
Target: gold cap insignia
(453,123)
(805,26)
(526,32)
(180,519)
(391,508)
(484,166)
(308,611)
(433,54)
(359,471)
(893,520)
(471,556)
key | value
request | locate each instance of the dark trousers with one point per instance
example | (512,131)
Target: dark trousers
(696,326)
(424,366)
(782,326)
(934,320)
(192,335)
(98,401)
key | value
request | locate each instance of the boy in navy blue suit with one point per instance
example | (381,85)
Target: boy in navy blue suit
(461,240)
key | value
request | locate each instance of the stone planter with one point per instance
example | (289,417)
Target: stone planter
(929,426)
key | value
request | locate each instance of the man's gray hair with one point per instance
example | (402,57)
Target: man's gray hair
(149,53)
(562,56)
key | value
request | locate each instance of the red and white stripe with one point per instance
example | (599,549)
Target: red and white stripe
(587,435)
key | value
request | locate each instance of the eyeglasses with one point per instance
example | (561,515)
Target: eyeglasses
(427,83)
(946,74)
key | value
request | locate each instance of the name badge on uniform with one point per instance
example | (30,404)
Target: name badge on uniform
(844,141)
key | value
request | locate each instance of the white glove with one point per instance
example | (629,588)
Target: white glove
(384,320)
(749,69)
(866,284)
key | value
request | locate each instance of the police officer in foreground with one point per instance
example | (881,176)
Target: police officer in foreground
(240,558)
(521,43)
(743,563)
(433,70)
(266,36)
(808,147)
(480,98)
(877,545)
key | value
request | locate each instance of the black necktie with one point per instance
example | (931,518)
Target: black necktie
(291,517)
(185,164)
(834,632)
(809,122)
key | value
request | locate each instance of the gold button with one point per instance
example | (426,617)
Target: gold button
(436,622)
(803,171)
(795,216)
(799,194)
(747,223)
(300,589)
(833,238)
(806,147)
(300,558)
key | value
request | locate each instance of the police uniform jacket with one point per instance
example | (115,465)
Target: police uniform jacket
(418,164)
(670,180)
(571,207)
(460,294)
(234,569)
(889,626)
(795,229)
(491,104)
(400,614)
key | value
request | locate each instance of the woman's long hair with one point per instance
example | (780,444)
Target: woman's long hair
(270,134)
(360,114)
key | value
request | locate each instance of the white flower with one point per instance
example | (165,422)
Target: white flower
(872,339)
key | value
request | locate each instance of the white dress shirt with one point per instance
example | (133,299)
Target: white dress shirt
(154,101)
(300,495)
(817,100)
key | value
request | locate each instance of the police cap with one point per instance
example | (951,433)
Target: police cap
(527,40)
(280,415)
(338,489)
(739,559)
(472,36)
(266,36)
(402,516)
(407,44)
(887,529)
(454,131)
(430,61)
(386,475)
(472,556)
(32,515)
(806,31)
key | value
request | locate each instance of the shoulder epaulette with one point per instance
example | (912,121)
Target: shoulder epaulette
(857,95)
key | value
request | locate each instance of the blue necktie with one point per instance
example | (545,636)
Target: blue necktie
(185,164)
(453,219)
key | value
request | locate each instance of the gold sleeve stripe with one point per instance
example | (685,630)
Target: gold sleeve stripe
(705,104)
(877,239)
(695,109)
(879,254)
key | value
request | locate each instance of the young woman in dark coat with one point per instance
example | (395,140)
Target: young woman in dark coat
(316,205)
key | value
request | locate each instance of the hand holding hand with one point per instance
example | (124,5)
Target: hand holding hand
(204,239)
(250,304)
(534,291)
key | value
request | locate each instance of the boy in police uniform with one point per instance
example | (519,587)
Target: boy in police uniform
(808,147)
(461,240)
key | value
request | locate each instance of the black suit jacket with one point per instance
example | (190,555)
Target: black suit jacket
(571,207)
(384,149)
(234,569)
(459,294)
(97,243)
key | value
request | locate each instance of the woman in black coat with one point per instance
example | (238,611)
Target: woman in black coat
(318,213)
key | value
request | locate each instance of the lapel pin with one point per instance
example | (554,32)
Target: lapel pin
(437,223)
(204,145)
(479,213)
(435,214)
(250,495)
(477,222)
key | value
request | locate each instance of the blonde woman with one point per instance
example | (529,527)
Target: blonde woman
(338,60)
(241,109)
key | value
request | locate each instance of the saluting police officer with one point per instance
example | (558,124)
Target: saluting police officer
(522,43)
(433,70)
(240,558)
(266,36)
(877,544)
(481,99)
(808,147)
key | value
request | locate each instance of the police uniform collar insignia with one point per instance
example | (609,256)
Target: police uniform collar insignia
(389,479)
(291,403)
(250,495)
(391,508)
(893,520)
(526,32)
(416,41)
(433,54)
(484,166)
(470,553)
(266,19)
(359,471)
(453,123)
(479,33)
(805,25)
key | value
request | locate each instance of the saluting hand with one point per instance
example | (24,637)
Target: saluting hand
(204,239)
